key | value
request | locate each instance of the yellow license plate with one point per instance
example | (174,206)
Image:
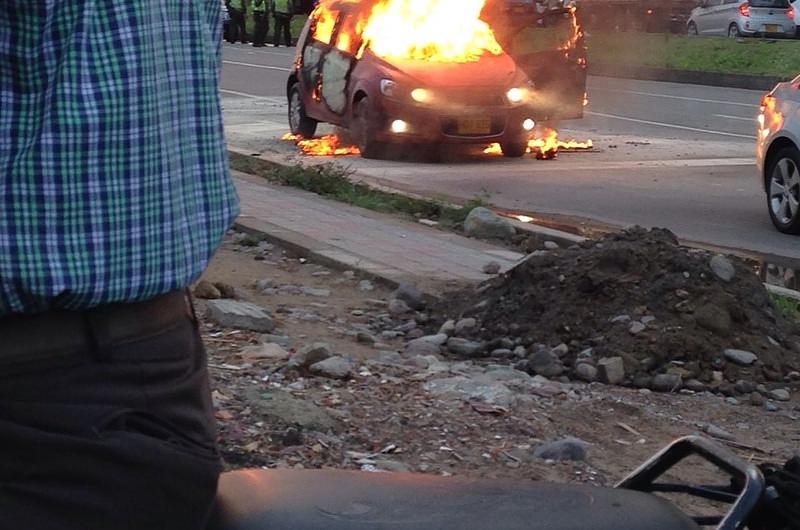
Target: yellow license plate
(474,125)
(772,28)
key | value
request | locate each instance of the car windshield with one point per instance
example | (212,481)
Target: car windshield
(769,3)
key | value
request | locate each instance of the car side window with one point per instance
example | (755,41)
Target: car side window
(348,34)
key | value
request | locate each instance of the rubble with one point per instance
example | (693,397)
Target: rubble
(333,368)
(241,315)
(566,449)
(483,223)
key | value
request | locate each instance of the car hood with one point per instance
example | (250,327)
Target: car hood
(488,71)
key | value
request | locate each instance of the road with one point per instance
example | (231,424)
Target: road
(668,155)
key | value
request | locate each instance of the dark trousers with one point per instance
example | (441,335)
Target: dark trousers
(118,440)
(261,28)
(238,32)
(283,24)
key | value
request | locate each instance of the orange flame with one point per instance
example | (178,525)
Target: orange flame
(546,146)
(328,145)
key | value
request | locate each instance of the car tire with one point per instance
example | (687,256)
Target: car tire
(691,29)
(514,148)
(299,123)
(733,31)
(363,131)
(783,190)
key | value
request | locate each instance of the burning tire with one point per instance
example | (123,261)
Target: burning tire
(363,130)
(783,191)
(514,148)
(299,123)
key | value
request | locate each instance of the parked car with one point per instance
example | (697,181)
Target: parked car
(796,18)
(778,150)
(748,18)
(496,98)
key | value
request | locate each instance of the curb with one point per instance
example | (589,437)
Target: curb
(650,73)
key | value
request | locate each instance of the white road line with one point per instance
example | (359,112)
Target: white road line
(734,117)
(669,96)
(242,94)
(265,67)
(669,125)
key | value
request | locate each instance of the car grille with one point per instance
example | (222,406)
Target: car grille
(450,127)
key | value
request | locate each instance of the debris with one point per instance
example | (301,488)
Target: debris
(636,327)
(551,245)
(241,315)
(428,222)
(398,307)
(667,383)
(560,450)
(333,368)
(741,357)
(586,372)
(492,268)
(206,291)
(266,351)
(465,347)
(723,268)
(448,328)
(465,326)
(611,370)
(289,410)
(310,354)
(780,394)
(423,346)
(485,224)
(410,295)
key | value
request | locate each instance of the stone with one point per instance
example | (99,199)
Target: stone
(266,351)
(265,284)
(422,347)
(520,351)
(473,389)
(770,406)
(551,245)
(365,338)
(448,328)
(636,327)
(313,291)
(694,385)
(492,268)
(562,450)
(714,318)
(240,315)
(611,370)
(502,352)
(620,319)
(392,466)
(206,291)
(561,350)
(717,432)
(287,409)
(740,357)
(333,368)
(439,339)
(410,295)
(365,286)
(647,320)
(545,363)
(226,290)
(586,372)
(484,223)
(666,383)
(464,347)
(465,326)
(757,399)
(310,354)
(398,307)
(415,334)
(780,394)
(722,268)
(745,387)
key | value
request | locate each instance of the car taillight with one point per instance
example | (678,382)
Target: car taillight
(790,13)
(744,9)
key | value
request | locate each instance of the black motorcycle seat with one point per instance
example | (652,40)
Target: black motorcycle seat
(339,500)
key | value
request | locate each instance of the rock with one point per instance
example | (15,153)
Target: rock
(636,327)
(266,351)
(771,407)
(502,353)
(333,368)
(310,354)
(464,347)
(714,318)
(313,291)
(647,320)
(717,432)
(398,307)
(551,245)
(283,340)
(287,409)
(520,351)
(422,347)
(240,315)
(484,223)
(780,394)
(439,339)
(392,466)
(206,291)
(586,372)
(744,387)
(545,363)
(562,450)
(611,370)
(415,334)
(411,296)
(740,357)
(561,350)
(491,268)
(722,268)
(731,401)
(666,383)
(620,319)
(225,290)
(365,338)
(465,326)
(757,399)
(365,286)
(694,385)
(265,284)
(448,328)
(473,389)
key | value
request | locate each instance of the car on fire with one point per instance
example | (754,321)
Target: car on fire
(778,154)
(529,70)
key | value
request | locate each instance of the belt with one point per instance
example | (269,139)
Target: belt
(59,333)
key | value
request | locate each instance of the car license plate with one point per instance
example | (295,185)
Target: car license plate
(772,28)
(474,125)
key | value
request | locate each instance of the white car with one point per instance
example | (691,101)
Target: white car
(779,154)
(743,18)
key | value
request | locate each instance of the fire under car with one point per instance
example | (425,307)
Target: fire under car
(478,73)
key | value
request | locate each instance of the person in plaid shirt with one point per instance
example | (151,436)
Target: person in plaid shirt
(114,195)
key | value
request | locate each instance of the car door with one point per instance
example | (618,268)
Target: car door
(728,14)
(706,17)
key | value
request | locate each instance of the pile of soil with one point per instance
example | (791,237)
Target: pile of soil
(640,296)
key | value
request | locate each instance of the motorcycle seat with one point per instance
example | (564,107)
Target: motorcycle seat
(339,500)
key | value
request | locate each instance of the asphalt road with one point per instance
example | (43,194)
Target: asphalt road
(669,155)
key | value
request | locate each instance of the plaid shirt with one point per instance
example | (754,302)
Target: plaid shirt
(114,184)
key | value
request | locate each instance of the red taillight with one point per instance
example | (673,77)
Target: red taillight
(744,9)
(790,13)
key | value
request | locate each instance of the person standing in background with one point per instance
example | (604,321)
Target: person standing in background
(261,23)
(237,10)
(282,11)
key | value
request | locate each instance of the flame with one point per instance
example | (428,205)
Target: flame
(326,22)
(546,145)
(769,110)
(328,145)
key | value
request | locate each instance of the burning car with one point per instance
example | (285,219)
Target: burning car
(436,72)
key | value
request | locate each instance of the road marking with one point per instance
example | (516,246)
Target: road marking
(669,96)
(251,65)
(242,94)
(734,117)
(669,125)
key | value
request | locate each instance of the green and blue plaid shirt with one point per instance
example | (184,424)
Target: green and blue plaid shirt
(114,184)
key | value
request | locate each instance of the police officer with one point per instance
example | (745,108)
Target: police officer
(237,12)
(282,11)
(261,23)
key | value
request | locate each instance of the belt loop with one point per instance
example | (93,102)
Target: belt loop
(100,335)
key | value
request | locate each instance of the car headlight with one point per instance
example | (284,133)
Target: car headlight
(421,95)
(515,95)
(389,88)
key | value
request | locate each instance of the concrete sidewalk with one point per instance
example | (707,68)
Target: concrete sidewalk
(390,249)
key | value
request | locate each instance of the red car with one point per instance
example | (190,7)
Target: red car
(495,98)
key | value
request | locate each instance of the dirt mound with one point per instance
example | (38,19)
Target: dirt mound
(672,316)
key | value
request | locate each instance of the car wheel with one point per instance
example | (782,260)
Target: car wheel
(299,123)
(363,130)
(692,29)
(514,148)
(783,191)
(733,31)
